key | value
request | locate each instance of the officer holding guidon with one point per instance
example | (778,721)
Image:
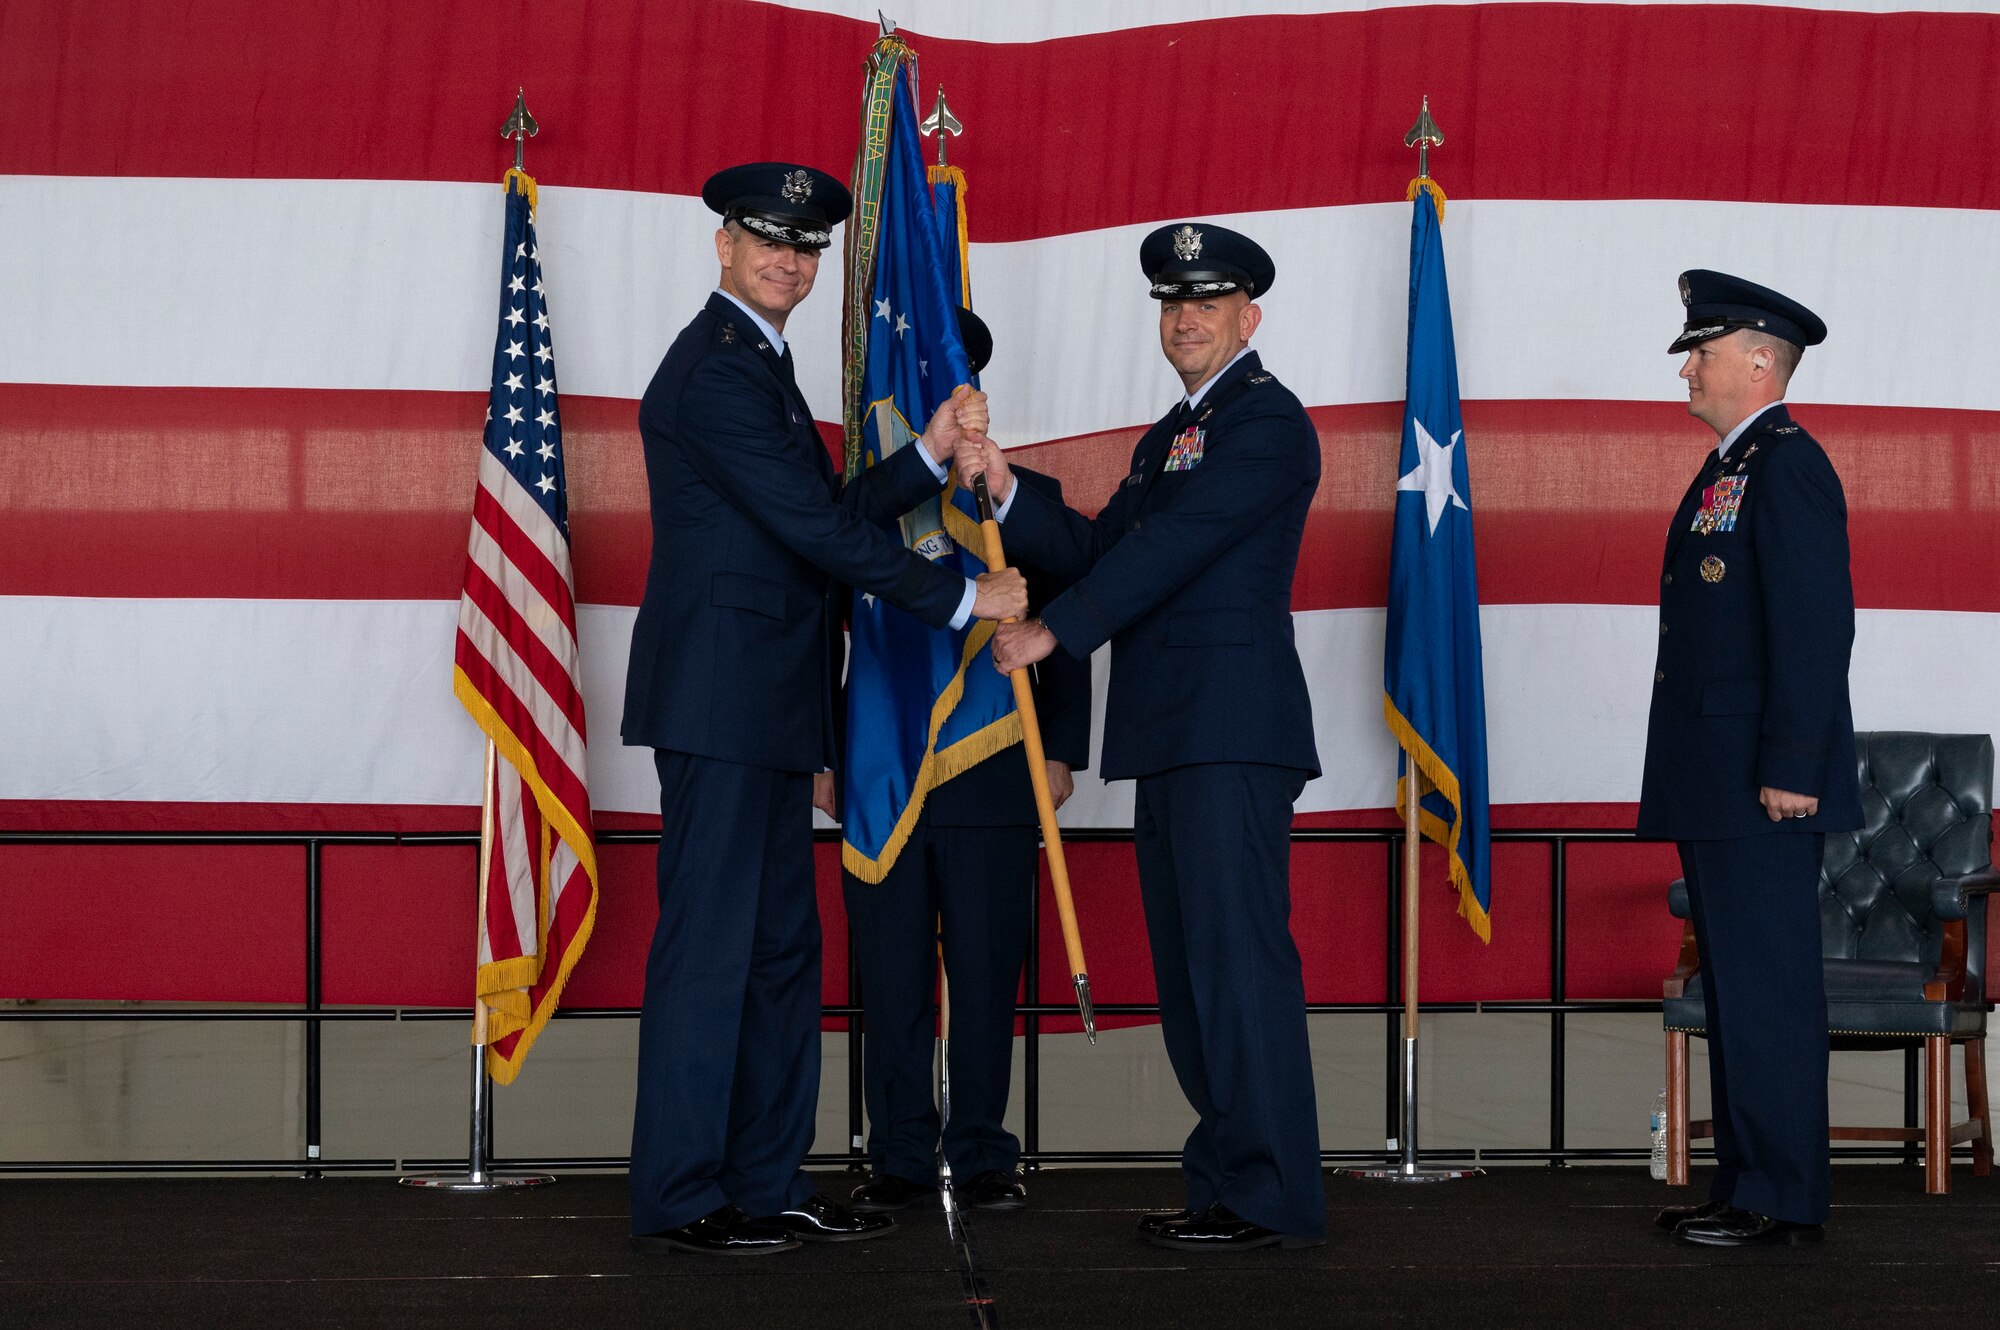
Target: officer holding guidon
(1187,572)
(735,653)
(1750,752)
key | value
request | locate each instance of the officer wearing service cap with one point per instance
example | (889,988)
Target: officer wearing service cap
(963,885)
(1750,752)
(735,654)
(1187,572)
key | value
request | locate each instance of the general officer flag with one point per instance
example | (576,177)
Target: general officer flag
(1435,698)
(923,704)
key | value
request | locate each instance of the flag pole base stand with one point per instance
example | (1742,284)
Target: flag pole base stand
(1414,1173)
(477,1177)
(467,1182)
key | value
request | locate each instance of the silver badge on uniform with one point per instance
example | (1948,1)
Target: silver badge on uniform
(798,187)
(1187,243)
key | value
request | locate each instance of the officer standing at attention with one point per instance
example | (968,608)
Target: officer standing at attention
(1750,753)
(734,656)
(964,879)
(1187,572)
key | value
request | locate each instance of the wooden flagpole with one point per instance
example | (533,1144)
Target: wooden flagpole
(1038,776)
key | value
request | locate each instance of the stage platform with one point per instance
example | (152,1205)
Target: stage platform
(1523,1246)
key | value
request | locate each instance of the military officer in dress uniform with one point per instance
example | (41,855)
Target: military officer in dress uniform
(734,656)
(1750,752)
(1187,572)
(965,878)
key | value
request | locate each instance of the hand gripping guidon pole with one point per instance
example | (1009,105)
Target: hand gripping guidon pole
(1038,776)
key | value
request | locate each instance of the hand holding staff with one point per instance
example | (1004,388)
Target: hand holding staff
(1031,742)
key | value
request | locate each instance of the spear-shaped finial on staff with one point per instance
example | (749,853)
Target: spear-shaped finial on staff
(1423,136)
(520,127)
(888,24)
(942,123)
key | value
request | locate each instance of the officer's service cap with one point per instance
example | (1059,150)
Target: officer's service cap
(791,204)
(1192,260)
(1718,304)
(978,338)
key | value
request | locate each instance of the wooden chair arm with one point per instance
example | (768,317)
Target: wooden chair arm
(1948,984)
(1690,963)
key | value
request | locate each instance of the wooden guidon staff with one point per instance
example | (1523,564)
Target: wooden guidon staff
(1038,775)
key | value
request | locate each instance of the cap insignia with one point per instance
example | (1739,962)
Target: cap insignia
(1686,296)
(798,187)
(1187,244)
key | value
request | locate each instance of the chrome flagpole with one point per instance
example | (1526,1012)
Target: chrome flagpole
(1409,1169)
(478,1177)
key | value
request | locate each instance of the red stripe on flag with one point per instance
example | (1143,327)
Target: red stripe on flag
(548,669)
(254,85)
(1571,498)
(525,555)
(563,783)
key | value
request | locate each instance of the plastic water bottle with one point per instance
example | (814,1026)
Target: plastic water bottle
(1660,1138)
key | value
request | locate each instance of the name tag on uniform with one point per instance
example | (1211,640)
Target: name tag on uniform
(1185,454)
(1720,503)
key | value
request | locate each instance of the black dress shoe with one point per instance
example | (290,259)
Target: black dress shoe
(886,1191)
(817,1219)
(726,1232)
(1674,1216)
(1221,1229)
(1151,1224)
(1731,1227)
(995,1190)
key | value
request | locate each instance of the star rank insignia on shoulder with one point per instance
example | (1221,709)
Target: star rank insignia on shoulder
(1784,429)
(728,334)
(1260,378)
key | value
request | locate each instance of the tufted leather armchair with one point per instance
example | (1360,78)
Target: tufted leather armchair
(1902,906)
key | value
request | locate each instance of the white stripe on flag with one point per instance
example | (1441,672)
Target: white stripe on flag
(1531,282)
(257,701)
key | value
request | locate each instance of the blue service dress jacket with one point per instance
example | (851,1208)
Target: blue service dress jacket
(1187,572)
(1756,628)
(735,648)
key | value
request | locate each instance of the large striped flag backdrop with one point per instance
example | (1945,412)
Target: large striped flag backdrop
(515,669)
(248,267)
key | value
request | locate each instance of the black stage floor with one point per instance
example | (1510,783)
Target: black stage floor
(1526,1246)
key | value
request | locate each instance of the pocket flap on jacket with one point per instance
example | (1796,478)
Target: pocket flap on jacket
(740,591)
(1209,628)
(1732,697)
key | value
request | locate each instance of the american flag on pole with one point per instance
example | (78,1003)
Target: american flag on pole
(516,670)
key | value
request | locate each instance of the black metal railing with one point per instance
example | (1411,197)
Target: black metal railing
(314,1014)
